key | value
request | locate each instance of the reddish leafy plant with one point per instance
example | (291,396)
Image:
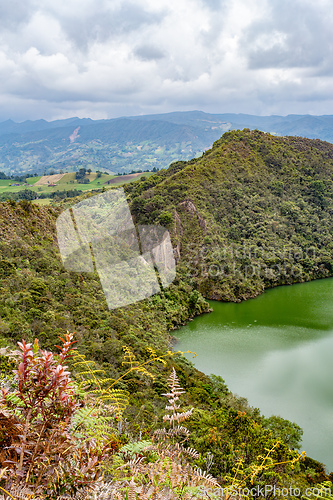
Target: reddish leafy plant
(46,456)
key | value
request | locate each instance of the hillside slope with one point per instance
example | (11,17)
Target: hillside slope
(39,297)
(253,212)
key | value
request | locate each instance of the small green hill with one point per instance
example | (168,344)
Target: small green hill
(253,212)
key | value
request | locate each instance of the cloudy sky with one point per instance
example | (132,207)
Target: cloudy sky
(111,58)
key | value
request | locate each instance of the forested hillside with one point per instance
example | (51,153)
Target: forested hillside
(252,200)
(40,299)
(253,212)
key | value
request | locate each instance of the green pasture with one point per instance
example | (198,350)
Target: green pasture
(67,182)
(43,201)
(7,185)
(121,181)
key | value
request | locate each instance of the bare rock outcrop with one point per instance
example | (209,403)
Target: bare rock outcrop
(192,209)
(178,231)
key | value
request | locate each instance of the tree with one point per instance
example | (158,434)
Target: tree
(289,432)
(165,218)
(80,175)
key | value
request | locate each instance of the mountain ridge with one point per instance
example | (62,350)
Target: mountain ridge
(135,142)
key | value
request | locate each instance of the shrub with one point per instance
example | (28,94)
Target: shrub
(165,218)
(36,420)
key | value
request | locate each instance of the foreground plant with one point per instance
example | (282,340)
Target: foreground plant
(40,452)
(166,471)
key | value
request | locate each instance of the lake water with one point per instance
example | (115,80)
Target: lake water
(277,351)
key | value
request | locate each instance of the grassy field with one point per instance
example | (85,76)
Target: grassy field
(43,201)
(67,182)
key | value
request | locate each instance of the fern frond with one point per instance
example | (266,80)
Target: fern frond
(96,426)
(131,362)
(160,433)
(151,351)
(204,477)
(153,354)
(131,491)
(129,357)
(134,464)
(177,431)
(191,452)
(117,398)
(105,380)
(90,372)
(18,492)
(144,371)
(136,448)
(178,417)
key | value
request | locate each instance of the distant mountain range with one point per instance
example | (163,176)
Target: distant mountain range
(136,142)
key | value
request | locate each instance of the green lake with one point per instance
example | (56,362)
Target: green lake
(275,350)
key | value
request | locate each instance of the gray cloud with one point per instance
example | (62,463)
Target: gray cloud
(122,57)
(148,53)
(105,23)
(294,35)
(15,12)
(214,5)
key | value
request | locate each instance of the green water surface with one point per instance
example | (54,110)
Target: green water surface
(275,350)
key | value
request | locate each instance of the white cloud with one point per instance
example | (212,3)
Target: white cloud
(125,57)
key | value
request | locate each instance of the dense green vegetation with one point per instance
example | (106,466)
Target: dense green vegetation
(252,191)
(252,213)
(81,433)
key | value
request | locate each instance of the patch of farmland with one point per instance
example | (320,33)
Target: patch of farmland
(123,178)
(49,179)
